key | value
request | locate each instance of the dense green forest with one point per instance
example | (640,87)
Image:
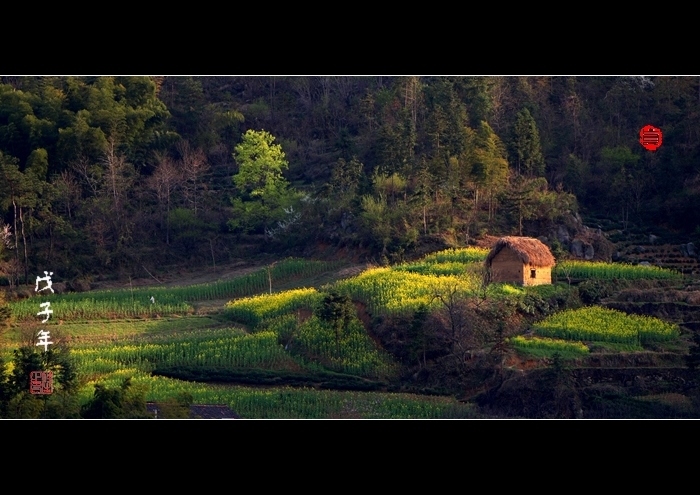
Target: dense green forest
(337,232)
(111,175)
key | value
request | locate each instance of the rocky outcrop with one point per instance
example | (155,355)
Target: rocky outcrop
(577,248)
(561,234)
(581,241)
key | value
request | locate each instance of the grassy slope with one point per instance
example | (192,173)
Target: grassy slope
(249,402)
(97,332)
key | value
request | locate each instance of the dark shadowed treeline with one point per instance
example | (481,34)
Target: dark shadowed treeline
(113,174)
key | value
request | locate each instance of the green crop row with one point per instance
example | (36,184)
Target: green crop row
(285,402)
(462,255)
(350,351)
(89,308)
(546,347)
(253,310)
(423,268)
(310,343)
(259,350)
(126,303)
(388,291)
(607,325)
(602,270)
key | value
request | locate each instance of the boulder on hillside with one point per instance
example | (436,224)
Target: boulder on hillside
(582,249)
(58,288)
(561,234)
(580,240)
(79,284)
(577,248)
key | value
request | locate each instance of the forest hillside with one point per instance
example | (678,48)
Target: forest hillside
(113,176)
(329,247)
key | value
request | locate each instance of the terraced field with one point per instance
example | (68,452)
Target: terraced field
(190,341)
(268,341)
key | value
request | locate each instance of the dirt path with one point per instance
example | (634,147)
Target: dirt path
(200,275)
(207,274)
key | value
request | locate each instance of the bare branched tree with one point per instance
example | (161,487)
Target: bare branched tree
(90,174)
(193,167)
(165,180)
(9,266)
(460,325)
(68,190)
(120,176)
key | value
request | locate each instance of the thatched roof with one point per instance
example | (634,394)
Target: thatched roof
(529,250)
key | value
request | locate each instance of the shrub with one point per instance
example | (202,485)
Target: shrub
(592,291)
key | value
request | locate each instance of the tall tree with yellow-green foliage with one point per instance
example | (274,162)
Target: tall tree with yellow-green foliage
(265,197)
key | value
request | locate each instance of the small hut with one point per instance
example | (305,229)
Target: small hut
(520,260)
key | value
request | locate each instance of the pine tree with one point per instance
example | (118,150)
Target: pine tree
(489,171)
(527,145)
(521,199)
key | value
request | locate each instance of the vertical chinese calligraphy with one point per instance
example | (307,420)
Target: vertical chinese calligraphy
(44,334)
(44,339)
(46,312)
(47,279)
(41,382)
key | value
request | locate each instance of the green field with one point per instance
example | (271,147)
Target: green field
(608,271)
(118,334)
(286,402)
(606,325)
(547,347)
(131,303)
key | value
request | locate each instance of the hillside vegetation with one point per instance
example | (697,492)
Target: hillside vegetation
(315,246)
(367,346)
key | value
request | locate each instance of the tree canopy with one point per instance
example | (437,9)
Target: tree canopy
(108,174)
(527,145)
(265,197)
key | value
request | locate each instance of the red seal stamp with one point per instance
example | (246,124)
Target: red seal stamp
(650,137)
